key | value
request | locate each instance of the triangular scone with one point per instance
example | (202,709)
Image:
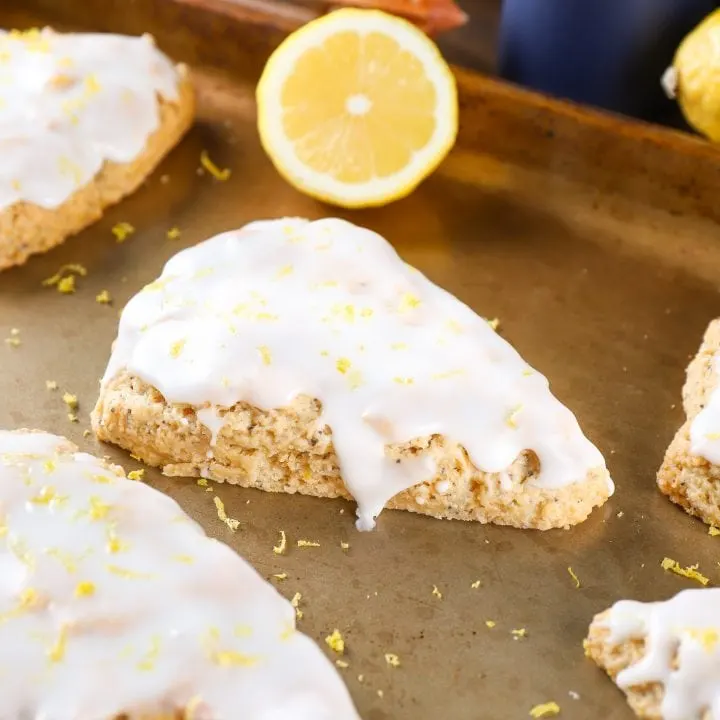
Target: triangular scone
(115,604)
(690,473)
(665,656)
(84,119)
(308,357)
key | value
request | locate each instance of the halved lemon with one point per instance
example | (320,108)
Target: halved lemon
(357,108)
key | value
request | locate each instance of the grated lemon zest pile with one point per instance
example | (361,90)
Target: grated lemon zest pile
(280,548)
(307,543)
(335,642)
(436,592)
(173,233)
(392,660)
(230,522)
(690,572)
(122,231)
(213,169)
(545,710)
(575,578)
(136,475)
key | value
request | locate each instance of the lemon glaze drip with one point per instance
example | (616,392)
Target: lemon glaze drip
(682,650)
(329,310)
(70,102)
(211,634)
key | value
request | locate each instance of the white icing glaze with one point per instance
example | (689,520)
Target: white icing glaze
(172,620)
(328,309)
(68,103)
(705,427)
(684,630)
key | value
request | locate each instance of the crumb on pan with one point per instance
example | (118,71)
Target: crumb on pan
(436,592)
(713,531)
(173,233)
(518,633)
(103,298)
(690,572)
(51,385)
(280,576)
(475,585)
(344,545)
(342,664)
(136,475)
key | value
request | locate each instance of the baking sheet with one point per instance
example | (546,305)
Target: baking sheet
(594,241)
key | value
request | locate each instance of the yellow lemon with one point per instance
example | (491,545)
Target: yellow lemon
(356,108)
(694,77)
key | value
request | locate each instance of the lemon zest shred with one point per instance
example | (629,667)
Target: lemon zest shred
(545,710)
(307,544)
(690,572)
(392,660)
(280,548)
(437,592)
(213,169)
(136,474)
(122,231)
(230,522)
(575,578)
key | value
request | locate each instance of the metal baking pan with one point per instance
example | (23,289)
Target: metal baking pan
(595,240)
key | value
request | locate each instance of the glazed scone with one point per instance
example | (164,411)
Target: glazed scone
(84,119)
(690,473)
(665,656)
(297,356)
(115,604)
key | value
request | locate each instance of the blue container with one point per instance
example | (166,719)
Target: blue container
(606,53)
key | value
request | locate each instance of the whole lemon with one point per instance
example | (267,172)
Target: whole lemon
(694,77)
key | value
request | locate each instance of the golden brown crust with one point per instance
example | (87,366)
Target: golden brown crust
(690,481)
(645,700)
(27,229)
(287,450)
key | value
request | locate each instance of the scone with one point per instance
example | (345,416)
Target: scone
(115,604)
(298,356)
(690,473)
(665,656)
(84,119)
